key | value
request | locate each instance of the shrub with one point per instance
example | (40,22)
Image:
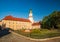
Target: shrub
(43,33)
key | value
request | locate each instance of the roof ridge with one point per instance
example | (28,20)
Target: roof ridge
(16,19)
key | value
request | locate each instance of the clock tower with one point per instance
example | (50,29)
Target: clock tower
(31,16)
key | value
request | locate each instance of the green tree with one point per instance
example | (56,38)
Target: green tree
(52,20)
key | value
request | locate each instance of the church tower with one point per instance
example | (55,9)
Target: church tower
(31,16)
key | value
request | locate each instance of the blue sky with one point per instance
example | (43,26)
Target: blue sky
(20,8)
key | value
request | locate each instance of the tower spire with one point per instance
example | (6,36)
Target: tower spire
(31,16)
(30,10)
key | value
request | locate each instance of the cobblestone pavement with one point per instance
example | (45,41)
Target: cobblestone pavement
(14,38)
(52,40)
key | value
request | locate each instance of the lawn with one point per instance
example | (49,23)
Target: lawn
(40,34)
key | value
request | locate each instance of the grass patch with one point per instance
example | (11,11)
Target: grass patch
(40,34)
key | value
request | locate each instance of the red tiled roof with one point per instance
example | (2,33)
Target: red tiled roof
(16,19)
(37,23)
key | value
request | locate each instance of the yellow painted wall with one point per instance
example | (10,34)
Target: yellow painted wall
(36,27)
(16,25)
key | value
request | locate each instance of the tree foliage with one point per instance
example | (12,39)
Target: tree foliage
(52,20)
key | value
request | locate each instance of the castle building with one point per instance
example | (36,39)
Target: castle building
(20,23)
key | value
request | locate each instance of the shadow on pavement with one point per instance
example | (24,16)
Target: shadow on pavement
(4,32)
